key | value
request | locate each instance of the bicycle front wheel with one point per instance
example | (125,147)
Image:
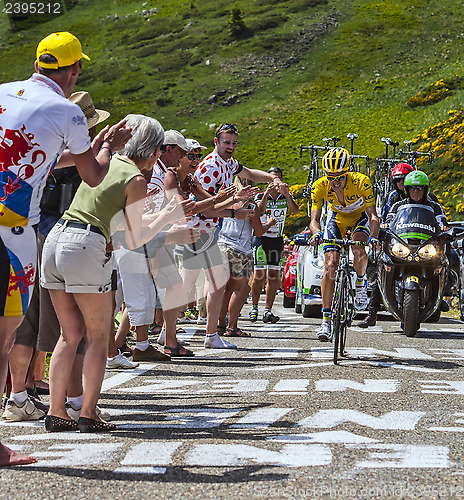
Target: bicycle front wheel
(339,310)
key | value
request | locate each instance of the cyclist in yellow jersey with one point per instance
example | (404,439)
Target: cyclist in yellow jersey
(351,205)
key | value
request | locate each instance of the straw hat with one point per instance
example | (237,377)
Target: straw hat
(84,101)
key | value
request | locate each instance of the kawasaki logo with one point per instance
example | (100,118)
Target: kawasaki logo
(417,226)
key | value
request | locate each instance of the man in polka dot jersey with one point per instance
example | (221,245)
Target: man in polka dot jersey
(216,169)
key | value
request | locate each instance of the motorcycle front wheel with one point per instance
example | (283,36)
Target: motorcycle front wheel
(410,312)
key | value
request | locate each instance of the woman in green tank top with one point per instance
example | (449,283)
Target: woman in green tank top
(77,267)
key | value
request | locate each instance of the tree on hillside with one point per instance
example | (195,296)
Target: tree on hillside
(236,24)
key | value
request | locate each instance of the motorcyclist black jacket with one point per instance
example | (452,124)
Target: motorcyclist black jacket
(434,205)
(393,197)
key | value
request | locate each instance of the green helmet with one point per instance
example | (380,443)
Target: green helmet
(417,178)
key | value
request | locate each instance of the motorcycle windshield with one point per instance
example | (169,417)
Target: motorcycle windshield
(415,222)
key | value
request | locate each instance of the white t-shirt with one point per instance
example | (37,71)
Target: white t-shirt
(37,122)
(156,196)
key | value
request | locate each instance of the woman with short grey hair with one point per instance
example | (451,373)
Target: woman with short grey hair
(77,267)
(147,136)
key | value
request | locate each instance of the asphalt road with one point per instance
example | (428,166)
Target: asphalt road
(273,419)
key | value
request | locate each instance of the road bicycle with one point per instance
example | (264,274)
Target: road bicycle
(343,310)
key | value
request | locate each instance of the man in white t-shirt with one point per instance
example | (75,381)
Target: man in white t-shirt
(37,123)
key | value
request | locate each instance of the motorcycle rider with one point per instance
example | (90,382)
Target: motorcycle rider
(416,187)
(351,205)
(397,177)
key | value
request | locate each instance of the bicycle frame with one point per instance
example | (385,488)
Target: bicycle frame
(343,310)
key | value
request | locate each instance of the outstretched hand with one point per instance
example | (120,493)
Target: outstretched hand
(175,211)
(118,135)
(224,193)
(246,193)
(182,235)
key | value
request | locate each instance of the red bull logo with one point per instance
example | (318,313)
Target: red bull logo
(20,92)
(22,281)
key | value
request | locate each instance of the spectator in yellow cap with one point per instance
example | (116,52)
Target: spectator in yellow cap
(37,122)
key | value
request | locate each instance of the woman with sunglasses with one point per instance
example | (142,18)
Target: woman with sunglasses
(351,204)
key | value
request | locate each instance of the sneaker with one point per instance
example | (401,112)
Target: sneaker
(253,315)
(125,350)
(325,331)
(270,318)
(75,413)
(17,413)
(120,361)
(216,342)
(361,301)
(201,321)
(149,354)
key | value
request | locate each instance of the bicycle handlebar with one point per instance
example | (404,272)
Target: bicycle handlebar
(336,241)
(345,242)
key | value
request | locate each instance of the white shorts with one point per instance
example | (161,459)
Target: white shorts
(137,286)
(75,260)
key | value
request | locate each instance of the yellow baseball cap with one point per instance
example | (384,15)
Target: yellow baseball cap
(64,46)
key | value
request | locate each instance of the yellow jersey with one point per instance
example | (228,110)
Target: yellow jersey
(358,195)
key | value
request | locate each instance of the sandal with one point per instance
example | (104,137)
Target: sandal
(155,329)
(221,330)
(174,352)
(89,425)
(58,424)
(236,332)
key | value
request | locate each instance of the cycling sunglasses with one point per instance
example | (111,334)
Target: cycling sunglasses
(228,127)
(416,188)
(193,156)
(336,177)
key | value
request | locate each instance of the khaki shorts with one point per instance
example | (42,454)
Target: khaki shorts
(75,260)
(240,264)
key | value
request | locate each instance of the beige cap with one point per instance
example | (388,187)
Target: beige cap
(175,137)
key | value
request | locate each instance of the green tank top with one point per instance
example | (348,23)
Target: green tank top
(103,205)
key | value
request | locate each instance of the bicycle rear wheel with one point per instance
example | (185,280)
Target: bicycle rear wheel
(339,316)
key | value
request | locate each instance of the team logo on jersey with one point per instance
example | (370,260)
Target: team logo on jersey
(14,147)
(20,92)
(78,120)
(22,280)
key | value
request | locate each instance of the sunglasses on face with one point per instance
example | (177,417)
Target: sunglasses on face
(416,188)
(193,156)
(227,126)
(335,178)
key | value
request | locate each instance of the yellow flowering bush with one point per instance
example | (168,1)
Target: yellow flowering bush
(437,91)
(446,174)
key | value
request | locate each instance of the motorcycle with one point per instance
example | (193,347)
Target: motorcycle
(413,266)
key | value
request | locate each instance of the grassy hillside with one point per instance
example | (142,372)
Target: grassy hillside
(296,71)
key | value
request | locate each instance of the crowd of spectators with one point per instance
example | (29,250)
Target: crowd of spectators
(132,219)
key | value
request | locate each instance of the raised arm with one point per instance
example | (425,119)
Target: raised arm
(93,169)
(137,234)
